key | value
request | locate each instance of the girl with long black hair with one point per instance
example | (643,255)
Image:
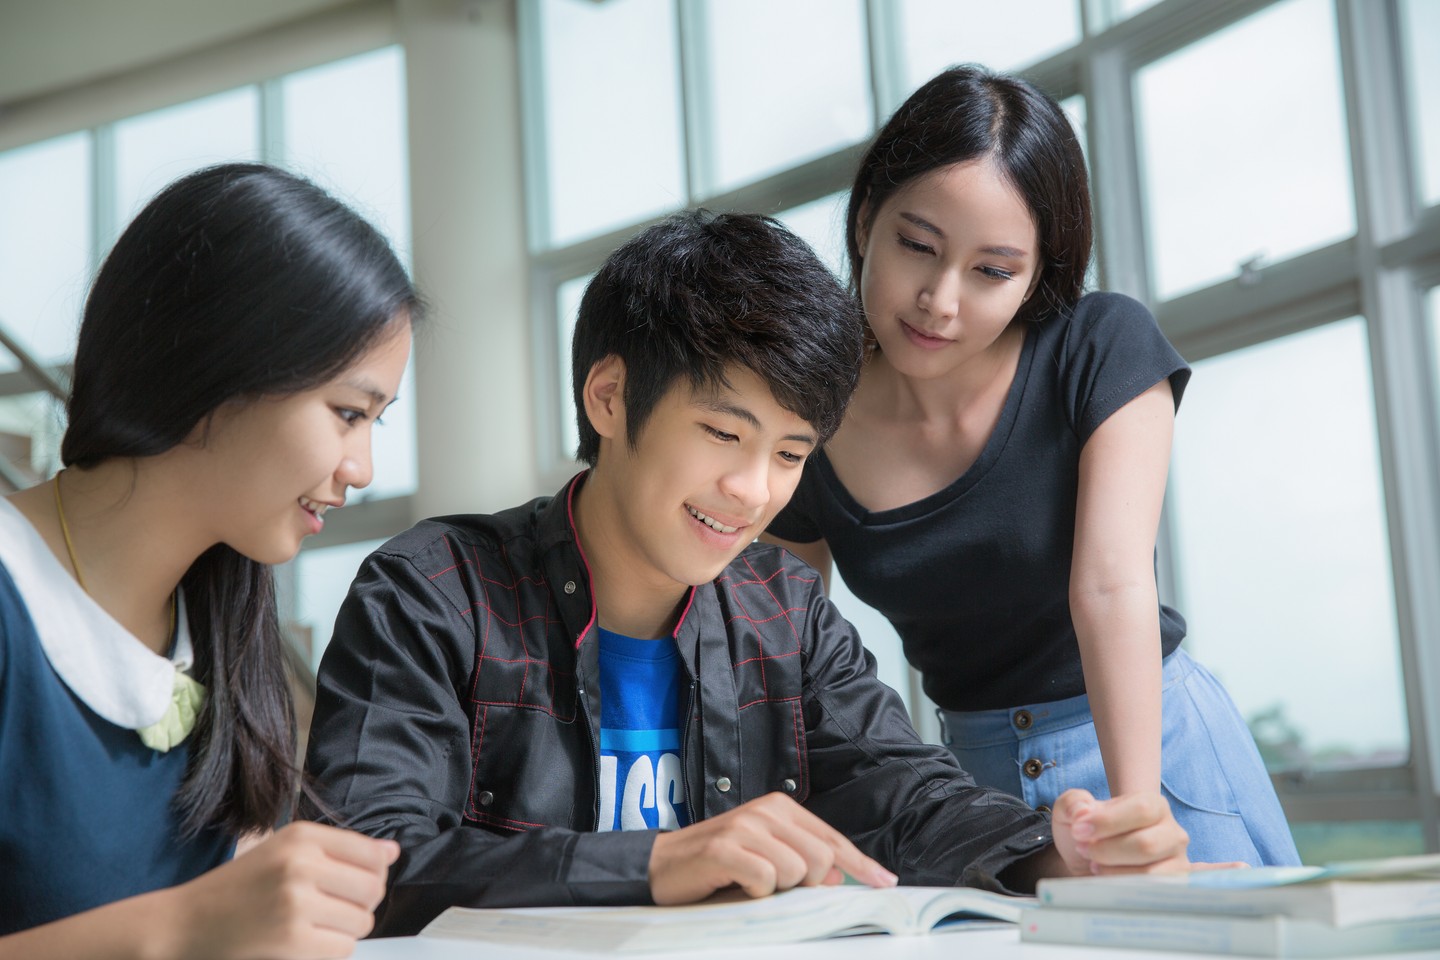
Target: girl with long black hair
(239,343)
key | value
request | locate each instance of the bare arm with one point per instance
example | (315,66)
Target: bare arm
(307,891)
(1113,601)
(816,553)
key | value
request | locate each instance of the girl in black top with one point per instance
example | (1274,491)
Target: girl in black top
(996,487)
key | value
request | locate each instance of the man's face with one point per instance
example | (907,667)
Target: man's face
(710,471)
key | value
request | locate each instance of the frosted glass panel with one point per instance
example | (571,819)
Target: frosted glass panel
(787,82)
(935,34)
(821,223)
(44,246)
(1283,557)
(155,148)
(345,129)
(613,152)
(1244,152)
(567,309)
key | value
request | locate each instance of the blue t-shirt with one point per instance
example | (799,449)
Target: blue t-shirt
(641,786)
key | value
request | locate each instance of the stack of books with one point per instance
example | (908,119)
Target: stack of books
(1343,909)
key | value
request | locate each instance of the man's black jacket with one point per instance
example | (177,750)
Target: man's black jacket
(459,704)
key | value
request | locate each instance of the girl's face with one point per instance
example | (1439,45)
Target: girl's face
(271,467)
(948,260)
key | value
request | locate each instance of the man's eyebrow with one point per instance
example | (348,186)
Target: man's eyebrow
(729,409)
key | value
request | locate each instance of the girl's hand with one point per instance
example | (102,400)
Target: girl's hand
(307,891)
(1135,833)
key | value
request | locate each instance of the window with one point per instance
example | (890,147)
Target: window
(44,245)
(610,134)
(936,34)
(567,309)
(1284,563)
(821,223)
(1244,153)
(153,149)
(782,83)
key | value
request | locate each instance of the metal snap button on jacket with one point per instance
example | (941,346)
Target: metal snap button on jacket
(723,784)
(789,785)
(1033,768)
(486,798)
(1042,809)
(569,586)
(1023,719)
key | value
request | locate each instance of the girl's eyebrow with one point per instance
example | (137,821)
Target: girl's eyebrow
(998,250)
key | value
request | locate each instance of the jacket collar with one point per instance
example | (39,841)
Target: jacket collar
(555,528)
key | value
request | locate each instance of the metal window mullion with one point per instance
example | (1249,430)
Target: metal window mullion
(1117,176)
(104,217)
(536,142)
(887,75)
(696,99)
(1384,206)
(272,122)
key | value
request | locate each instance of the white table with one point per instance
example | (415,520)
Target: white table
(998,942)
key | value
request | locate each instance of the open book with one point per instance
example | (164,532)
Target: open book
(1340,895)
(805,913)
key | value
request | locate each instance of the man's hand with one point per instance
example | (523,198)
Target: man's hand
(771,843)
(1135,833)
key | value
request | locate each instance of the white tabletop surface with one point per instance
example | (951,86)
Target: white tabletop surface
(992,941)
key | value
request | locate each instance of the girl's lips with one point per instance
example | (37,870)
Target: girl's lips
(923,340)
(314,520)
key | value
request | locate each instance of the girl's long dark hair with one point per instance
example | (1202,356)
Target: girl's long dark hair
(235,282)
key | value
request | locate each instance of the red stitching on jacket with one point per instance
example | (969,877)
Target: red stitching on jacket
(768,700)
(766,584)
(774,656)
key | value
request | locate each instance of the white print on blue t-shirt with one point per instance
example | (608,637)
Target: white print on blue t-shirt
(641,787)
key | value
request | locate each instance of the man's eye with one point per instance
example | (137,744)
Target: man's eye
(719,434)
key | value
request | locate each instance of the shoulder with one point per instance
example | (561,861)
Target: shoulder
(1102,313)
(474,537)
(769,576)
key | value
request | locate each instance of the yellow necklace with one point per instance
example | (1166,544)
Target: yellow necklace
(74,563)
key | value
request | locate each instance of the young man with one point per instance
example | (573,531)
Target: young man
(612,696)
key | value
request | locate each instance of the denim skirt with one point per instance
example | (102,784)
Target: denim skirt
(1210,772)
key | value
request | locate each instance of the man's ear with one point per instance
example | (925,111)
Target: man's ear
(604,396)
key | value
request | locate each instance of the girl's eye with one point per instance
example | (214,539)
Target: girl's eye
(719,434)
(995,273)
(792,458)
(351,417)
(915,245)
